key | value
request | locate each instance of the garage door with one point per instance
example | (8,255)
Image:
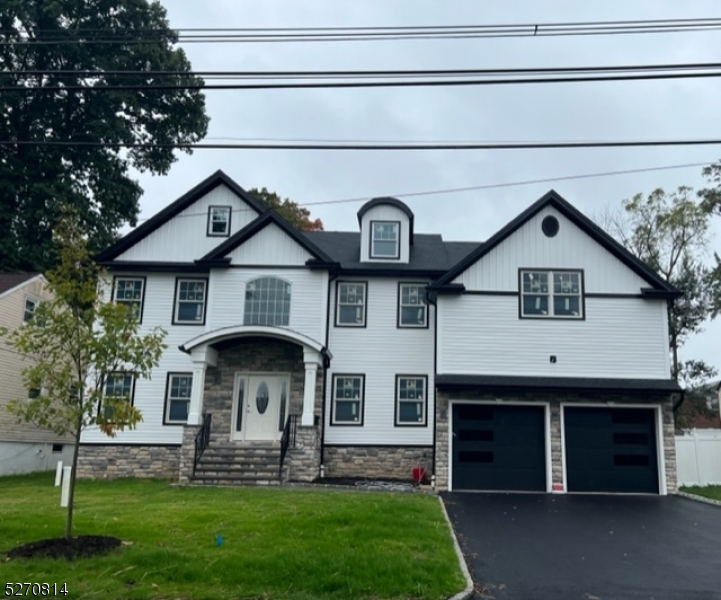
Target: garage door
(611,450)
(498,447)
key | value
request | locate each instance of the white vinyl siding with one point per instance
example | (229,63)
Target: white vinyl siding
(184,238)
(620,338)
(528,248)
(270,246)
(307,306)
(380,351)
(385,213)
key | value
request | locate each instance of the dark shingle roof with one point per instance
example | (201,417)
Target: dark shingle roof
(429,253)
(10,280)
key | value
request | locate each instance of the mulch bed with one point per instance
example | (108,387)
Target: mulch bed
(74,547)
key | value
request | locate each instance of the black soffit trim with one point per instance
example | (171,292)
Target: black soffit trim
(387,200)
(510,382)
(186,200)
(267,218)
(172,267)
(552,198)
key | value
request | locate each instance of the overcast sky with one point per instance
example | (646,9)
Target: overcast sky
(585,111)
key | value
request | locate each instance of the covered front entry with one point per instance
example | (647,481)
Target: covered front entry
(498,447)
(260,406)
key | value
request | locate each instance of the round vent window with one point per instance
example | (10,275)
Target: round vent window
(550,226)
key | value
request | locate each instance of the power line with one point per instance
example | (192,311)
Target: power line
(374,147)
(355,84)
(374,73)
(355,34)
(479,187)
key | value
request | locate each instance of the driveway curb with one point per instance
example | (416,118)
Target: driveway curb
(698,498)
(467,592)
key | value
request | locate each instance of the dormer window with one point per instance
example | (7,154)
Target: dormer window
(385,239)
(219,221)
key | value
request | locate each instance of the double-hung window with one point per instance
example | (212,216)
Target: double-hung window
(177,397)
(546,294)
(412,309)
(219,221)
(130,291)
(30,306)
(348,393)
(385,239)
(351,304)
(118,386)
(190,297)
(411,399)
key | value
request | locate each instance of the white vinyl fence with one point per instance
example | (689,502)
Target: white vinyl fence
(698,457)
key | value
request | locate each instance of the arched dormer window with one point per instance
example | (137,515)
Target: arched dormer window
(267,302)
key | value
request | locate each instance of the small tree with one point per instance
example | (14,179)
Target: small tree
(670,232)
(74,343)
(297,216)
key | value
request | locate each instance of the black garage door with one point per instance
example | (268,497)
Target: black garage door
(497,447)
(611,450)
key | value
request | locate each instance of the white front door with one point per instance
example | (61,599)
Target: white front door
(259,406)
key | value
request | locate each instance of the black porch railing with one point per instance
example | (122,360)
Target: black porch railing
(287,440)
(202,439)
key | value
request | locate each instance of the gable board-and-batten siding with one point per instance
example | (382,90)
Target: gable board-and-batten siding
(385,213)
(184,237)
(12,310)
(270,246)
(619,338)
(529,247)
(380,351)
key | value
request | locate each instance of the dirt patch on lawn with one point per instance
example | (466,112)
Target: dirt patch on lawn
(74,547)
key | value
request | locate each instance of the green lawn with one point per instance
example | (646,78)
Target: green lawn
(276,543)
(708,491)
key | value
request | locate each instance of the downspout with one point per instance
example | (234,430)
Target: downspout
(432,298)
(332,276)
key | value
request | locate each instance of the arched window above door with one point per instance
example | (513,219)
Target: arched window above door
(267,302)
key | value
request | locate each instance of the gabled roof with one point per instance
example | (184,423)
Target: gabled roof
(269,217)
(430,256)
(387,200)
(555,200)
(9,282)
(186,200)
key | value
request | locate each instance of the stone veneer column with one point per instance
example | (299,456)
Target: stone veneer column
(187,453)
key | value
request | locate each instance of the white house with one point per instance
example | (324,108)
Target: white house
(537,360)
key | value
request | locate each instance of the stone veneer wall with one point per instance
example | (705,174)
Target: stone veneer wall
(254,355)
(109,461)
(303,461)
(395,462)
(443,397)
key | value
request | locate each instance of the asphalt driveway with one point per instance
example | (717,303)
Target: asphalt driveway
(589,547)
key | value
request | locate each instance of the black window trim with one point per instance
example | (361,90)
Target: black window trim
(166,403)
(370,241)
(551,270)
(133,380)
(365,303)
(396,421)
(358,423)
(400,325)
(174,316)
(208,232)
(142,295)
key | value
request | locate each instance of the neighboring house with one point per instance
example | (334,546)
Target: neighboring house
(23,447)
(537,360)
